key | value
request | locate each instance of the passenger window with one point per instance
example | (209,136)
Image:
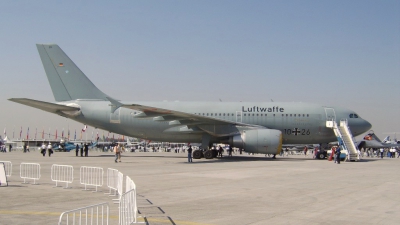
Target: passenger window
(290,114)
(294,115)
(355,116)
(224,114)
(303,115)
(351,115)
(220,114)
(307,115)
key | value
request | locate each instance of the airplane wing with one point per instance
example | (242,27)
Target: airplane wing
(46,106)
(190,123)
(178,117)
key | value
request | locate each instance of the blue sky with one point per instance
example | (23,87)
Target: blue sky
(344,53)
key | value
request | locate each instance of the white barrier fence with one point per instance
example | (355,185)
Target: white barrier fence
(30,171)
(8,166)
(120,186)
(127,204)
(94,214)
(92,176)
(120,183)
(62,173)
(112,181)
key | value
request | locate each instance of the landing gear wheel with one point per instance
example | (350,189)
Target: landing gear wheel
(320,156)
(208,154)
(197,154)
(214,153)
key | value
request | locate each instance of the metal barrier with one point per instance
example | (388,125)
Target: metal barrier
(8,166)
(92,176)
(30,171)
(120,186)
(120,183)
(62,173)
(93,214)
(127,205)
(112,181)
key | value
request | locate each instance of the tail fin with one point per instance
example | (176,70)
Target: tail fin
(386,139)
(67,81)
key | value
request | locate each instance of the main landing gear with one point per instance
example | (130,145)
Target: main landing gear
(208,154)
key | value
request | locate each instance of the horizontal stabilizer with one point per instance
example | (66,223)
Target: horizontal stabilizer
(46,106)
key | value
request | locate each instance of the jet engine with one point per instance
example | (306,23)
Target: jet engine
(265,141)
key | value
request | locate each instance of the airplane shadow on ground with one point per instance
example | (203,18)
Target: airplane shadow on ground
(227,159)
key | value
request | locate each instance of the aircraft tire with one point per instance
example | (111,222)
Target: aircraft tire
(208,154)
(214,153)
(197,154)
(321,156)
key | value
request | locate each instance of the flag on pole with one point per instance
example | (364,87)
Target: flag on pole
(43,134)
(84,128)
(75,135)
(20,133)
(5,133)
(103,136)
(68,133)
(27,134)
(35,133)
(56,134)
(62,133)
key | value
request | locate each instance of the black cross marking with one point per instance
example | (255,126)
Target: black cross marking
(296,131)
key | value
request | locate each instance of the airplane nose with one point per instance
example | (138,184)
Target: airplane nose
(365,126)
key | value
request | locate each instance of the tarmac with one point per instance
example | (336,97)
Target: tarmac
(243,189)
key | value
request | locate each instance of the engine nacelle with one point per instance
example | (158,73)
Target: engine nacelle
(266,141)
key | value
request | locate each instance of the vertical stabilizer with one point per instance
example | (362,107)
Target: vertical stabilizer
(67,81)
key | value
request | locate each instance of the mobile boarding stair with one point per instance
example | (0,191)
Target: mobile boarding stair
(345,137)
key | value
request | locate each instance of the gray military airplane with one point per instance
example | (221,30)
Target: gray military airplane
(256,127)
(372,141)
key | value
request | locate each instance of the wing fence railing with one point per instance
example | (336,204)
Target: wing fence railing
(62,173)
(93,215)
(30,171)
(91,176)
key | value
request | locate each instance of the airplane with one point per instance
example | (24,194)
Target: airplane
(372,141)
(256,127)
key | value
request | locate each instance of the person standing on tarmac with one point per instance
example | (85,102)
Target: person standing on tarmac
(117,152)
(86,149)
(190,153)
(81,149)
(76,149)
(338,154)
(49,149)
(43,149)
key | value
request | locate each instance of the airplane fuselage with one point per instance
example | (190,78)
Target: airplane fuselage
(298,122)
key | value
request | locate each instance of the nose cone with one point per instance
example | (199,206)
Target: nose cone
(362,126)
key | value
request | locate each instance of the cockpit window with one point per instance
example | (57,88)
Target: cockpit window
(353,115)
